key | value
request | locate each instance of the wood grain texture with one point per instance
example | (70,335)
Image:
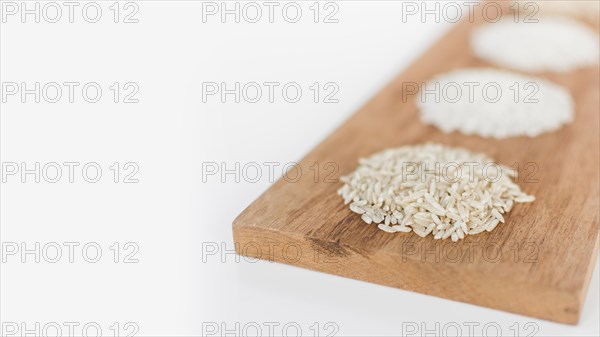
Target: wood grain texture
(538,264)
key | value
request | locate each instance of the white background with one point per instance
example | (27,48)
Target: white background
(170,215)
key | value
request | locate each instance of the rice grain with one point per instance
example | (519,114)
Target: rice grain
(431,204)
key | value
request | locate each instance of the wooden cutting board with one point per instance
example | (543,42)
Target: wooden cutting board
(538,264)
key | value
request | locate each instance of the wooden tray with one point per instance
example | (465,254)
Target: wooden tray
(538,264)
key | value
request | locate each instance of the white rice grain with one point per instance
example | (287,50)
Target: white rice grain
(557,44)
(537,107)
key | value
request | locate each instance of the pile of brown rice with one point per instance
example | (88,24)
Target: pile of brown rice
(431,189)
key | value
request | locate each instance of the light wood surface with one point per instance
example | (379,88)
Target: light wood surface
(538,264)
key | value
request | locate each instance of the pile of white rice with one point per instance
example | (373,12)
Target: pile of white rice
(494,103)
(555,43)
(401,190)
